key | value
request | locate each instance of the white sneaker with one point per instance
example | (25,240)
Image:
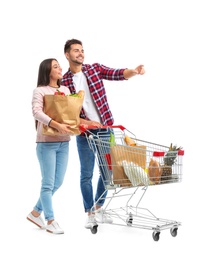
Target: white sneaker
(90,221)
(102,217)
(54,228)
(36,220)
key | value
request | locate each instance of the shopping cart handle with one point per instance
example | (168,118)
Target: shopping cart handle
(83,128)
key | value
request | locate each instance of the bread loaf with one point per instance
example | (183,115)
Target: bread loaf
(154,171)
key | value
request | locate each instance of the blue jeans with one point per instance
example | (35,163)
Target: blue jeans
(53,160)
(87,163)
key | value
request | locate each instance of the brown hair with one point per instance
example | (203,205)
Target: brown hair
(68,44)
(44,75)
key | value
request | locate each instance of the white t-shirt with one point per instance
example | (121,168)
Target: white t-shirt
(80,83)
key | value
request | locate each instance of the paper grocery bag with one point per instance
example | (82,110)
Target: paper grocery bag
(120,153)
(63,109)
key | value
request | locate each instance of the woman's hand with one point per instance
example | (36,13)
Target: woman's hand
(64,129)
(61,128)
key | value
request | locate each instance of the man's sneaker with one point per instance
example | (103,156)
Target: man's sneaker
(90,221)
(36,220)
(54,228)
(102,217)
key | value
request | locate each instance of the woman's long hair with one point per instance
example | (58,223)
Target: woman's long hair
(44,73)
(44,76)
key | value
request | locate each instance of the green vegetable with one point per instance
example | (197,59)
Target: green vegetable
(74,95)
(112,139)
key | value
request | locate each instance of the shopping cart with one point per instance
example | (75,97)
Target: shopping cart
(126,169)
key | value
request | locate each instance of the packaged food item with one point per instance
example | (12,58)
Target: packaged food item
(154,171)
(129,141)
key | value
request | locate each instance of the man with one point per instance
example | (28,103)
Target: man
(90,78)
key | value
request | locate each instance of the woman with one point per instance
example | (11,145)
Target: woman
(52,151)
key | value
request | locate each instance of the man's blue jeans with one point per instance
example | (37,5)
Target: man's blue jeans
(53,160)
(87,163)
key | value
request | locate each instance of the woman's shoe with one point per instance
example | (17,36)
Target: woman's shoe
(54,228)
(36,220)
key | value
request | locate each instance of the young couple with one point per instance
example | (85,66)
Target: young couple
(53,151)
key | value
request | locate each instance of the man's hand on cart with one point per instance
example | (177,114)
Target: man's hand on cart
(86,124)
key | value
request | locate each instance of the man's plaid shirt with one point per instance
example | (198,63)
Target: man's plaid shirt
(95,75)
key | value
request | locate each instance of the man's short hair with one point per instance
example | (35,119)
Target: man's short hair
(68,44)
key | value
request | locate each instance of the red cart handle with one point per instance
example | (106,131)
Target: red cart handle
(159,154)
(84,128)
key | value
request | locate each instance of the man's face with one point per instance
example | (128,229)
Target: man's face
(76,54)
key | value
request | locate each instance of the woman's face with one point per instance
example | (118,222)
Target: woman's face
(56,71)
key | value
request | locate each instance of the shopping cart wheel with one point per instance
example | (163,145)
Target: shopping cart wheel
(94,229)
(129,220)
(156,235)
(173,231)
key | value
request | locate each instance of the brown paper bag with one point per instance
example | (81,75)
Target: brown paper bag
(119,153)
(63,109)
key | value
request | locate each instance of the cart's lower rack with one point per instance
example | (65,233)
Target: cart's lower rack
(131,215)
(142,218)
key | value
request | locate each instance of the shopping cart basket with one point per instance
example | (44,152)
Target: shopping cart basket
(127,167)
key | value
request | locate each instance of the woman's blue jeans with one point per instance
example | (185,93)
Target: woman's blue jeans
(53,160)
(87,163)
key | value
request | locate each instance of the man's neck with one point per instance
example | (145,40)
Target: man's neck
(75,68)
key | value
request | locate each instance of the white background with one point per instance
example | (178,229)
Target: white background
(165,105)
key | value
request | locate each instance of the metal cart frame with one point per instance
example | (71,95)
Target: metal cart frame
(135,183)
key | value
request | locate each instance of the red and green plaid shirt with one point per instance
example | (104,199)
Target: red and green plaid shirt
(95,75)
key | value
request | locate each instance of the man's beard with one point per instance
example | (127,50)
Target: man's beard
(77,62)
